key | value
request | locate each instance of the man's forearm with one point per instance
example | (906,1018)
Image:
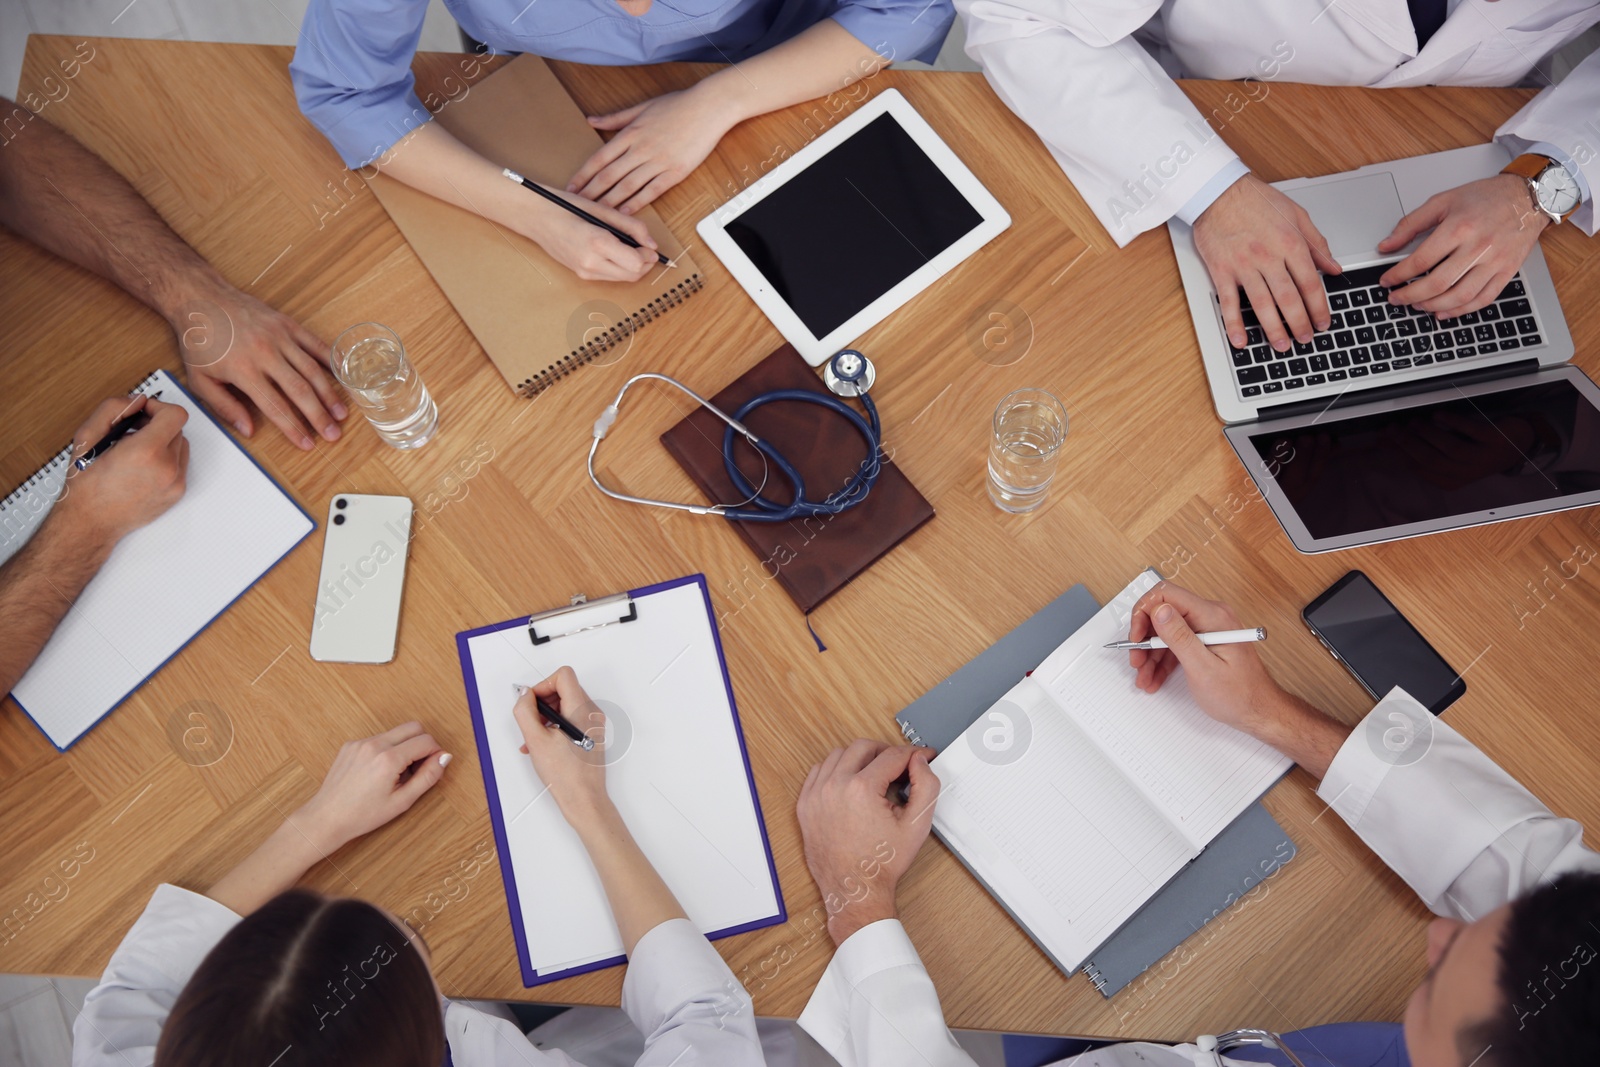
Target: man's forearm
(68,200)
(38,586)
(1309,737)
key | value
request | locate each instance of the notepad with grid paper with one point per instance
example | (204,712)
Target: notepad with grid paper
(162,584)
(1077,796)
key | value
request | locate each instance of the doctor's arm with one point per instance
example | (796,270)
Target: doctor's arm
(677,989)
(876,1002)
(1461,832)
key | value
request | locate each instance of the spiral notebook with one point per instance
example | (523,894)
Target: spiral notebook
(162,584)
(676,767)
(1079,800)
(534,317)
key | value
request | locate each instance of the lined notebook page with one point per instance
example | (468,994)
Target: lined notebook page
(1200,773)
(163,583)
(1060,836)
(675,770)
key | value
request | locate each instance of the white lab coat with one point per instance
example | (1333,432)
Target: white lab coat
(1094,80)
(678,993)
(1459,830)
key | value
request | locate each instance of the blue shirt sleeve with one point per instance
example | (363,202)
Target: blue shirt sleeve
(352,73)
(898,29)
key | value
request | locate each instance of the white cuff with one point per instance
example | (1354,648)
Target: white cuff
(1208,193)
(1561,156)
(876,947)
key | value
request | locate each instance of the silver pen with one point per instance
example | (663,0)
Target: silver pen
(1215,637)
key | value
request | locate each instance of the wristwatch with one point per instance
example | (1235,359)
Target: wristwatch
(1554,190)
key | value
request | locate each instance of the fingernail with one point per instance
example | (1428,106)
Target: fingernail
(339,410)
(305,444)
(243,427)
(444,759)
(1164,613)
(1324,324)
(330,433)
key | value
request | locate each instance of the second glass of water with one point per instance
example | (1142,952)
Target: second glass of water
(1030,426)
(371,363)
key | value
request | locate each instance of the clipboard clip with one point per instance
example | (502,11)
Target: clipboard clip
(580,615)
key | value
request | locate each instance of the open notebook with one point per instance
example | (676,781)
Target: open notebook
(162,584)
(676,769)
(1076,797)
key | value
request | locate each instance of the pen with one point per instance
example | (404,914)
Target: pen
(1215,637)
(120,429)
(577,736)
(578,211)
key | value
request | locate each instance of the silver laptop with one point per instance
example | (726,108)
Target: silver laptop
(1391,423)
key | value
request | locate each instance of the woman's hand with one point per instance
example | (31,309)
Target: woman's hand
(372,781)
(593,254)
(576,777)
(660,142)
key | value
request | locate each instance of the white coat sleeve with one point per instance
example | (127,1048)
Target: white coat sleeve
(876,1005)
(687,1004)
(1445,817)
(1567,116)
(1129,139)
(123,1015)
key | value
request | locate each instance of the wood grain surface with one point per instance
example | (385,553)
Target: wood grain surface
(507,523)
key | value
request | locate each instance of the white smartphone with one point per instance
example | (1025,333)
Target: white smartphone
(363,573)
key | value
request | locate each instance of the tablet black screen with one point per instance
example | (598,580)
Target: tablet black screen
(853,225)
(1454,457)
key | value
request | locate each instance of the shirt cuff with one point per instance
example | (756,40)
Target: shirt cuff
(1358,770)
(175,932)
(1219,184)
(876,947)
(1561,156)
(672,965)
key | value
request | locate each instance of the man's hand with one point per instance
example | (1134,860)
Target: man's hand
(859,840)
(132,482)
(1229,682)
(233,343)
(371,782)
(593,254)
(1255,238)
(660,142)
(575,777)
(1482,232)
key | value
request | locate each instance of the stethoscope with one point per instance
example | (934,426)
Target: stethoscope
(1212,1046)
(848,374)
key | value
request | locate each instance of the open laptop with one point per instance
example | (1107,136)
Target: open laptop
(1392,423)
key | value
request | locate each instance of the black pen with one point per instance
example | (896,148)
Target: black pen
(120,429)
(578,737)
(578,211)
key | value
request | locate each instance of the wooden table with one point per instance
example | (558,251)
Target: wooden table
(508,523)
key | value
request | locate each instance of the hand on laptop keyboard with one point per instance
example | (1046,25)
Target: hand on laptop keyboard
(1482,231)
(1256,239)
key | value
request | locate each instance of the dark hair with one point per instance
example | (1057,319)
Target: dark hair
(308,980)
(1549,980)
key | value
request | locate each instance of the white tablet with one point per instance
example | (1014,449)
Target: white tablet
(852,226)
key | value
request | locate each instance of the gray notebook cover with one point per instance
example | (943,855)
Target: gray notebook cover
(1251,847)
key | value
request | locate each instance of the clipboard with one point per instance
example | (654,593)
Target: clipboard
(678,769)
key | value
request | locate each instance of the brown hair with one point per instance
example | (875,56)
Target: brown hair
(308,980)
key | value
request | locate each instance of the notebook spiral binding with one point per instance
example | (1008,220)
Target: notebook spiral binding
(614,336)
(55,462)
(1094,976)
(910,732)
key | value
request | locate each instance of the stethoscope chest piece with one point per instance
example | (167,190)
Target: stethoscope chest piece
(849,373)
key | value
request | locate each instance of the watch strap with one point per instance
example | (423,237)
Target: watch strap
(1528,165)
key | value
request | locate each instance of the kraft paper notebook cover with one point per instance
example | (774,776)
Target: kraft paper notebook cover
(1234,862)
(815,557)
(537,320)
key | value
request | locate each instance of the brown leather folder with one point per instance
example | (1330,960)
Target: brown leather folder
(811,558)
(537,320)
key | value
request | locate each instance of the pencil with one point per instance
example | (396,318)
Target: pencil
(561,201)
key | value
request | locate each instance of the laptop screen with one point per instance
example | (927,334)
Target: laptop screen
(1454,457)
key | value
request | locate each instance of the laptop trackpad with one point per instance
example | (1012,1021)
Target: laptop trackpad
(1354,214)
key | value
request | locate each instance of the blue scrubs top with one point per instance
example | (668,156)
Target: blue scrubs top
(352,66)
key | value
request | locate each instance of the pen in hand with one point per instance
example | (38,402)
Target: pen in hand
(577,736)
(120,429)
(1215,637)
(563,202)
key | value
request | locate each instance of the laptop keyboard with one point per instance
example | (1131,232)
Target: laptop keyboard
(1368,337)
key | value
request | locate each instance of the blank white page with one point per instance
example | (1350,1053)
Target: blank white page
(164,582)
(1199,772)
(675,770)
(1059,836)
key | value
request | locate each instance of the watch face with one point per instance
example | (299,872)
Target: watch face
(1558,190)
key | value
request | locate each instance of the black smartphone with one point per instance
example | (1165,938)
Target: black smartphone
(1378,645)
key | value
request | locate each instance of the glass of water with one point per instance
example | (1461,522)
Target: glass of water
(1030,426)
(370,362)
